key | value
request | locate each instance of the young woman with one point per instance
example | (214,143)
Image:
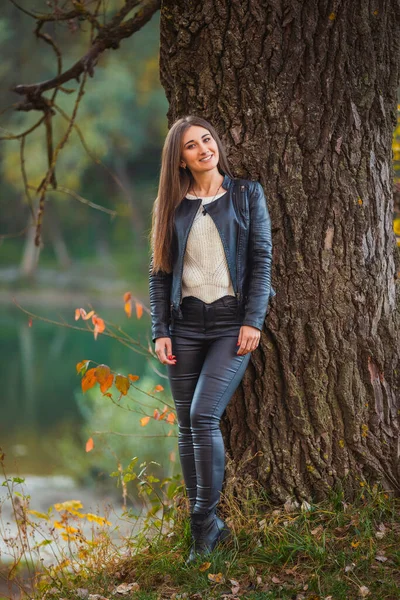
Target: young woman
(209,284)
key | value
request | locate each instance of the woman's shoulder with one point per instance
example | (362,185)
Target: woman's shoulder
(250,184)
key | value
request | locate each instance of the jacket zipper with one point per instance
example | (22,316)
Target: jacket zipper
(183,255)
(237,245)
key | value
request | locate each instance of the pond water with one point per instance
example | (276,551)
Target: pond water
(46,419)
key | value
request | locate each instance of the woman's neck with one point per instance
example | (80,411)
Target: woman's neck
(207,184)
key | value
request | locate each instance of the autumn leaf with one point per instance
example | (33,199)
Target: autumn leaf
(77,314)
(133,377)
(128,308)
(88,316)
(127,296)
(69,505)
(139,309)
(96,519)
(204,566)
(164,412)
(105,385)
(156,414)
(89,445)
(82,366)
(102,373)
(170,418)
(99,325)
(88,380)
(216,577)
(144,421)
(122,384)
(158,388)
(39,515)
(30,322)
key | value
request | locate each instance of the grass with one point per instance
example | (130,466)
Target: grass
(331,550)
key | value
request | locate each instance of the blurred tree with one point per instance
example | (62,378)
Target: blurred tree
(304,96)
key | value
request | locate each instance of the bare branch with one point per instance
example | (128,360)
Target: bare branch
(110,36)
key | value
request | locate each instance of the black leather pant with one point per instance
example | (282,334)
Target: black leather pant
(207,372)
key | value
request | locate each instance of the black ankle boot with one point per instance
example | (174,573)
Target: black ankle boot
(208,530)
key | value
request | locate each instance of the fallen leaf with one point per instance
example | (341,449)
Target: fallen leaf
(276,579)
(204,566)
(216,577)
(363,591)
(125,588)
(380,558)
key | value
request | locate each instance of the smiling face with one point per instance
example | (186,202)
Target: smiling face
(199,150)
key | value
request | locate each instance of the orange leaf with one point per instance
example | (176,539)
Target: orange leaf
(82,365)
(127,296)
(156,414)
(88,380)
(164,412)
(122,384)
(139,309)
(133,377)
(102,373)
(128,308)
(30,323)
(99,325)
(171,418)
(88,316)
(77,314)
(110,396)
(89,445)
(82,312)
(158,388)
(144,421)
(105,385)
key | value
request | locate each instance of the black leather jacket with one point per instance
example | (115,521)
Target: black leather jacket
(244,226)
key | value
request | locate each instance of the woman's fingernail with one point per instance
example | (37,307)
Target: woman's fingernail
(170,356)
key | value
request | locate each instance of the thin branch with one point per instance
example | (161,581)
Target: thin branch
(25,178)
(24,133)
(65,190)
(43,186)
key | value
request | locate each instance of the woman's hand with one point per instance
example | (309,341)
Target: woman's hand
(163,348)
(249,338)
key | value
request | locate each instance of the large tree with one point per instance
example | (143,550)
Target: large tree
(303,94)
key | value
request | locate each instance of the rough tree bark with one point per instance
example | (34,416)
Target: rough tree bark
(304,97)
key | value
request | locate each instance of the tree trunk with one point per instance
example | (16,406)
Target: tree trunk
(304,97)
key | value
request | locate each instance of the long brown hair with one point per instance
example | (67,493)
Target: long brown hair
(174,183)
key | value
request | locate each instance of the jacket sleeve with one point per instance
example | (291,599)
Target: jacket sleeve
(260,264)
(160,293)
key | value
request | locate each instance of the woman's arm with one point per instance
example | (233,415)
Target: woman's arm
(260,263)
(160,293)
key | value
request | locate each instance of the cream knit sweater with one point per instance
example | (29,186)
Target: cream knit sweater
(205,269)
